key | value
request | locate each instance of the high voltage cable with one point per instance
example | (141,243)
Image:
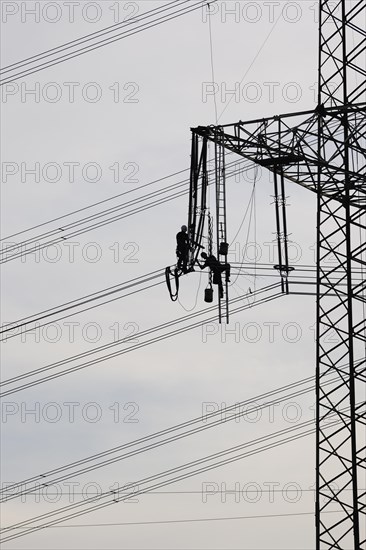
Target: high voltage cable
(116,493)
(96,295)
(246,162)
(168,493)
(82,39)
(249,163)
(81,301)
(62,237)
(109,199)
(60,234)
(99,214)
(58,364)
(110,503)
(60,231)
(95,204)
(20,250)
(143,333)
(138,345)
(163,432)
(113,496)
(62,58)
(38,326)
(194,520)
(130,32)
(46,480)
(128,495)
(19,323)
(51,312)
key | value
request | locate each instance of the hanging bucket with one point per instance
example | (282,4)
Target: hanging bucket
(209,295)
(224,249)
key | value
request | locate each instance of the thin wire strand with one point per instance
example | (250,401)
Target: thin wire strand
(67,514)
(84,39)
(60,234)
(102,43)
(194,520)
(212,63)
(86,465)
(52,366)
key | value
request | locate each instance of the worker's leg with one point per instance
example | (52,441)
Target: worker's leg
(184,263)
(227,272)
(221,289)
(180,259)
(225,268)
(185,255)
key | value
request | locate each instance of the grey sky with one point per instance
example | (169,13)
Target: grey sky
(270,49)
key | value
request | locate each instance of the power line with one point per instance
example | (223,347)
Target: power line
(113,495)
(25,321)
(86,49)
(81,40)
(86,465)
(269,293)
(60,234)
(95,204)
(61,230)
(212,60)
(69,512)
(122,287)
(235,163)
(194,520)
(159,493)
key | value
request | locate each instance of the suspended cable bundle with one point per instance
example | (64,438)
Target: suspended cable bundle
(95,40)
(305,275)
(197,196)
(161,479)
(63,231)
(102,353)
(190,237)
(112,455)
(200,219)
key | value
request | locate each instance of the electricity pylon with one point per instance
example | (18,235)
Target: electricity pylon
(324,151)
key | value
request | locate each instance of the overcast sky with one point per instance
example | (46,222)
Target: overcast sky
(152,88)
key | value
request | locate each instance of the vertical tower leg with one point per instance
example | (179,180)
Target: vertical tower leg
(341,336)
(341,341)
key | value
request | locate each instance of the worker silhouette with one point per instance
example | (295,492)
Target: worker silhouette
(217,269)
(182,249)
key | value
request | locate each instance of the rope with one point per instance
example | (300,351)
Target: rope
(212,63)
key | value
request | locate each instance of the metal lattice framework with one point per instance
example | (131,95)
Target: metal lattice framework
(341,453)
(324,151)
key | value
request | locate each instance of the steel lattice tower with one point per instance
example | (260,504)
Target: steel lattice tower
(324,150)
(341,202)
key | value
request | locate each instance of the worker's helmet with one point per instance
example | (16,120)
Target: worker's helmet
(204,255)
(184,228)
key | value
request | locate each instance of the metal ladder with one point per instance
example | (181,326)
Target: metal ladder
(221,230)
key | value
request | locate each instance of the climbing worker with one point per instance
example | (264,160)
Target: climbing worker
(182,249)
(217,268)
